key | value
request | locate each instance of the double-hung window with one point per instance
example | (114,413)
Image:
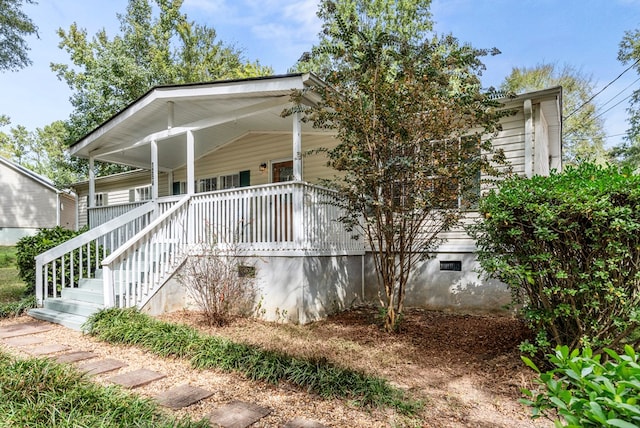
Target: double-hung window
(140,194)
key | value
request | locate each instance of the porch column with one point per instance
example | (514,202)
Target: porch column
(191,174)
(154,170)
(528,138)
(92,185)
(297,147)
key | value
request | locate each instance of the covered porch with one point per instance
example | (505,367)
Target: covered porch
(233,173)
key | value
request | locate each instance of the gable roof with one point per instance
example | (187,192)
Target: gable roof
(42,180)
(216,112)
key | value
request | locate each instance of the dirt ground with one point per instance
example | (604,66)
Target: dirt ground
(466,368)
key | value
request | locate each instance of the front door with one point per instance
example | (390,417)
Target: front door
(282,171)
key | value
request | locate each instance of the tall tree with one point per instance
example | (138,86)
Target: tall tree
(410,19)
(157,45)
(628,152)
(582,130)
(409,114)
(42,151)
(15,25)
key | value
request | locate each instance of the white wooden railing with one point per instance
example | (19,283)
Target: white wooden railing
(101,215)
(293,218)
(64,265)
(133,272)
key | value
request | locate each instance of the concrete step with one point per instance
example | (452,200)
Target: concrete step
(75,307)
(83,295)
(71,321)
(92,284)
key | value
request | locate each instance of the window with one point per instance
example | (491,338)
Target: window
(101,200)
(208,184)
(140,194)
(179,188)
(447,157)
(230,181)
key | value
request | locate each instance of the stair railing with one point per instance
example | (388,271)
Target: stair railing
(136,270)
(64,265)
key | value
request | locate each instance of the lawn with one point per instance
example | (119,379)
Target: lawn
(11,286)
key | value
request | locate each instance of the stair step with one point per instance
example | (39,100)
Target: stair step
(93,284)
(71,321)
(84,295)
(75,307)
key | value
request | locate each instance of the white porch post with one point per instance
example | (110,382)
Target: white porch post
(298,188)
(297,147)
(154,170)
(191,177)
(528,138)
(92,185)
(191,174)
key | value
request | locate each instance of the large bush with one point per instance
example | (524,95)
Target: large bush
(30,246)
(568,247)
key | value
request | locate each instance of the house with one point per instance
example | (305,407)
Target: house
(217,163)
(30,202)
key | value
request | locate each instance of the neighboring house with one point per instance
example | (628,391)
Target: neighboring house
(217,163)
(30,202)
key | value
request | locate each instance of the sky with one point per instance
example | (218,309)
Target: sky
(584,34)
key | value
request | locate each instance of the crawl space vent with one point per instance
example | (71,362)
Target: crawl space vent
(451,265)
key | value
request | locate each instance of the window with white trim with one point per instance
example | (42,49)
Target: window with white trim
(208,184)
(101,200)
(230,181)
(140,194)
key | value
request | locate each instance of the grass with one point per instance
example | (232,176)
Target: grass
(13,301)
(12,288)
(316,375)
(42,393)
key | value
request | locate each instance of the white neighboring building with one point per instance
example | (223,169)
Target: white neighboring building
(29,201)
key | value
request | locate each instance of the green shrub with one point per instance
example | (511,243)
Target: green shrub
(318,376)
(581,391)
(17,308)
(568,247)
(30,246)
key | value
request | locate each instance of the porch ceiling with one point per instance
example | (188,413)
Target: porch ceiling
(216,113)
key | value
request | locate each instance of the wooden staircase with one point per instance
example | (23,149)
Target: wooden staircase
(75,305)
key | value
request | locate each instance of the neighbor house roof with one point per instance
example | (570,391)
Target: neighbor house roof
(44,181)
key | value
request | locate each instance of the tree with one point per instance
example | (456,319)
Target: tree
(42,151)
(628,153)
(411,19)
(152,49)
(582,130)
(409,115)
(15,25)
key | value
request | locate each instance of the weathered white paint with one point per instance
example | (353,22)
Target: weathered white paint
(528,138)
(297,147)
(92,183)
(154,171)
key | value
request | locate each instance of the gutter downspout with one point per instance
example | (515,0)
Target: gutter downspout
(528,138)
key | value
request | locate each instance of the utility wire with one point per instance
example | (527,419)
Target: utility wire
(601,90)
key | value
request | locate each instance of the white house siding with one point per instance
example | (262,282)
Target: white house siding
(252,150)
(25,205)
(117,187)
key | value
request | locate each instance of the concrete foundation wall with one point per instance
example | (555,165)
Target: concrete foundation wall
(9,236)
(431,288)
(290,289)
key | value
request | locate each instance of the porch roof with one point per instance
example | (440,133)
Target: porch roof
(216,112)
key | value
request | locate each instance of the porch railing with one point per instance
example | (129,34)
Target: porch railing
(140,266)
(101,215)
(63,266)
(142,248)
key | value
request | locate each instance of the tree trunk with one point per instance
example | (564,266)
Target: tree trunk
(390,319)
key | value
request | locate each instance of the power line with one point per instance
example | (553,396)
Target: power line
(601,90)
